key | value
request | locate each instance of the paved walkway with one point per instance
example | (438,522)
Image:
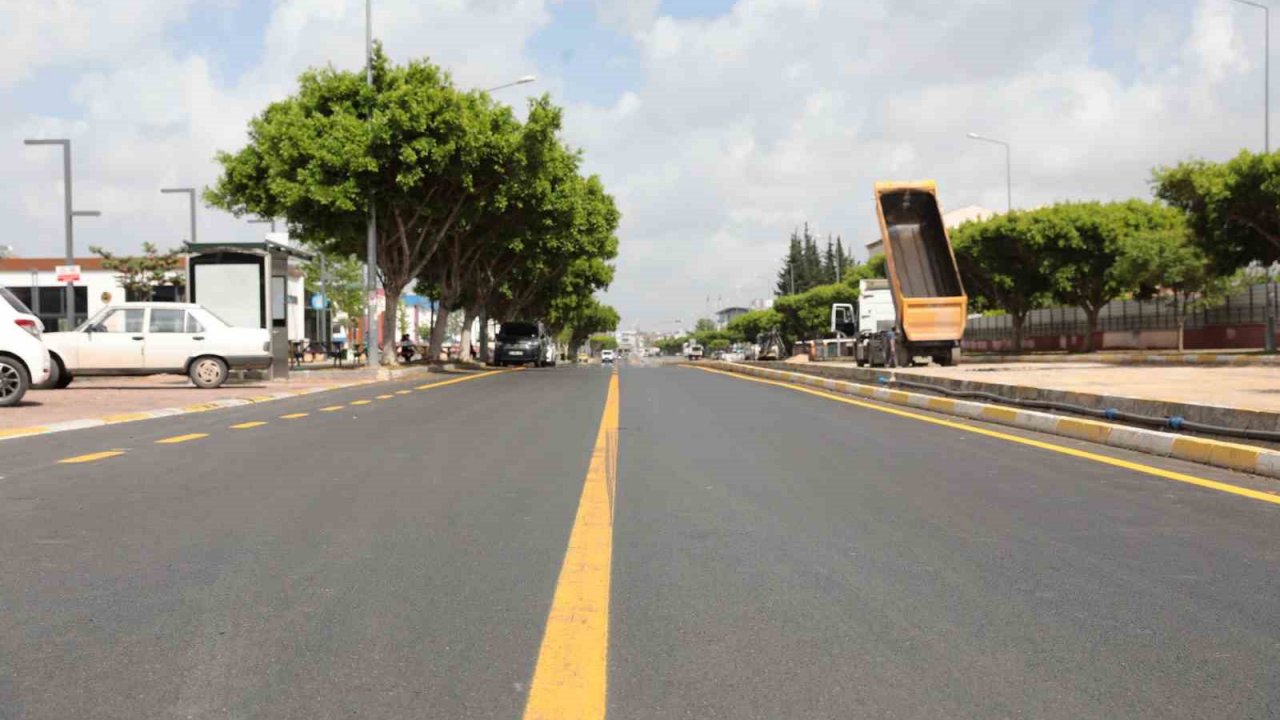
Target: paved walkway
(1249,387)
(96,397)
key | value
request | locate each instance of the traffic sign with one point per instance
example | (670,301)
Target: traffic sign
(67,273)
(317,302)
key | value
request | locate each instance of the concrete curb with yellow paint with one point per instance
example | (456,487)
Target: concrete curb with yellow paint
(1232,456)
(15,433)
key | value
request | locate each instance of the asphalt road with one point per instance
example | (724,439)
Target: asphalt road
(774,555)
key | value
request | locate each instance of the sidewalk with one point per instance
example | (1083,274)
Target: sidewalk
(1234,356)
(102,400)
(1236,397)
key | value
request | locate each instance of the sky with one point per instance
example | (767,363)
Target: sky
(718,125)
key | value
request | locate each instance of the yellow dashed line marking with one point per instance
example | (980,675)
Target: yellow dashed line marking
(332,408)
(385,397)
(294,416)
(361,402)
(91,457)
(182,438)
(403,392)
(247,425)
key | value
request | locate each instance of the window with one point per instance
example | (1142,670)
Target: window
(13,301)
(122,320)
(193,325)
(167,320)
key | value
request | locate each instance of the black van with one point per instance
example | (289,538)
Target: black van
(521,343)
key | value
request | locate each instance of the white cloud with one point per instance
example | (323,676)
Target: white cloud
(739,128)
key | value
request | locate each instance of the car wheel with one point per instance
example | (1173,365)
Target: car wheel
(208,372)
(14,381)
(62,377)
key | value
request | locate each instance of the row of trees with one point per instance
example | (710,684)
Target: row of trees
(486,213)
(1190,246)
(806,266)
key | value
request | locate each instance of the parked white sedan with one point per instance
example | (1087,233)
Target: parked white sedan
(149,338)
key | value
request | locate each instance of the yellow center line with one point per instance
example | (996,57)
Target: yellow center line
(332,408)
(247,425)
(294,416)
(455,381)
(182,438)
(570,679)
(1062,449)
(91,457)
(361,402)
(385,397)
(403,392)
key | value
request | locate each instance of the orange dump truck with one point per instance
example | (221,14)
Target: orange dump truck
(927,295)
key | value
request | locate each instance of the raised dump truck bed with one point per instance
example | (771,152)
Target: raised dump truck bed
(927,294)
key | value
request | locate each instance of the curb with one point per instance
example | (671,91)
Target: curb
(1231,456)
(1211,359)
(80,424)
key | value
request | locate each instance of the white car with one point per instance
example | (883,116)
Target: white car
(150,338)
(24,361)
(606,356)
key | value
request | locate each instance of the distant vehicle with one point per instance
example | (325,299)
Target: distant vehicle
(694,352)
(521,343)
(606,356)
(550,353)
(583,357)
(24,360)
(157,338)
(928,297)
(872,323)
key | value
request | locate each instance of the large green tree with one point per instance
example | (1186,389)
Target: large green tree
(425,156)
(1233,208)
(1084,248)
(999,261)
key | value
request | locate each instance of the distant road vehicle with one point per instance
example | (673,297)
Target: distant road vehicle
(606,356)
(24,361)
(157,338)
(521,343)
(694,352)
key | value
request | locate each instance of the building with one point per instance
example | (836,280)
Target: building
(725,316)
(627,339)
(34,282)
(951,220)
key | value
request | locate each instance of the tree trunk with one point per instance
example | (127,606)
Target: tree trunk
(468,319)
(1182,327)
(484,336)
(1092,315)
(387,356)
(1019,320)
(437,333)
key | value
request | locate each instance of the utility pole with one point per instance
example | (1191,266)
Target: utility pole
(69,301)
(1266,71)
(191,195)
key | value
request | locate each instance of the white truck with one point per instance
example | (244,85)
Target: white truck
(869,324)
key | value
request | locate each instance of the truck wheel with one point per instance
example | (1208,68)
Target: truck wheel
(14,381)
(208,372)
(902,356)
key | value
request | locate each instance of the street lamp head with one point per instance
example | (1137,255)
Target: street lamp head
(177,190)
(974,136)
(526,79)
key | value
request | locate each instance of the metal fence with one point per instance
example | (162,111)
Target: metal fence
(1243,308)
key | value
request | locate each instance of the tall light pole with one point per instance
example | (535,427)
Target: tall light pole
(371,241)
(522,81)
(1008,166)
(68,215)
(191,195)
(1266,72)
(484,312)
(262,221)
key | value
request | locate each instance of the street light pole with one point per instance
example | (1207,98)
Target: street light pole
(68,216)
(1266,72)
(371,242)
(191,195)
(1008,166)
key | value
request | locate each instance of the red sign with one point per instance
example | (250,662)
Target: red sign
(67,273)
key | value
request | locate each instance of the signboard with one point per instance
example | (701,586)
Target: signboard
(67,273)
(317,302)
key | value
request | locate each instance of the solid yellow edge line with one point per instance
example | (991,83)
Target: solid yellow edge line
(570,680)
(1105,460)
(455,381)
(91,457)
(18,432)
(182,438)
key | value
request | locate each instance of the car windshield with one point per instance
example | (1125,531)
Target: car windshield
(14,302)
(517,330)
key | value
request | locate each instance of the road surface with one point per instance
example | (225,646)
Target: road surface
(490,547)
